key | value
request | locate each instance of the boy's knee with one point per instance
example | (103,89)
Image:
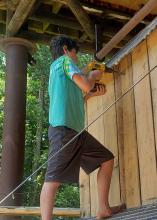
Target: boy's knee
(52,184)
(108,162)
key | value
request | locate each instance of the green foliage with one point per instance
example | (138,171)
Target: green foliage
(84,59)
(2,91)
(68,196)
(37,79)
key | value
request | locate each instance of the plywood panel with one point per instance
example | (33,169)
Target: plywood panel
(120,138)
(144,122)
(110,127)
(94,108)
(152,54)
(84,180)
(132,184)
(84,194)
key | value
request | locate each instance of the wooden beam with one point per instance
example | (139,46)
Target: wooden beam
(57,20)
(134,21)
(56,7)
(63,21)
(45,26)
(86,47)
(35,26)
(54,30)
(51,29)
(50,2)
(3,4)
(106,13)
(112,13)
(14,3)
(9,14)
(35,211)
(83,37)
(82,17)
(21,13)
(35,7)
(2,29)
(2,17)
(62,30)
(35,37)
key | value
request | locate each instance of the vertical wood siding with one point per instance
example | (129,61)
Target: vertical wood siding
(129,130)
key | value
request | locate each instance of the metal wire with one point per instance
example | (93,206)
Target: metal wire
(64,146)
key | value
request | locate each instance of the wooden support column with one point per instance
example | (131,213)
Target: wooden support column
(14,118)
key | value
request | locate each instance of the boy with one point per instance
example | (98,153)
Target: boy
(66,118)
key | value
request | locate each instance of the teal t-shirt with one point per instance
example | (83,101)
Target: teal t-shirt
(66,98)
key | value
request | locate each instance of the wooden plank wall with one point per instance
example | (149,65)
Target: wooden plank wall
(129,130)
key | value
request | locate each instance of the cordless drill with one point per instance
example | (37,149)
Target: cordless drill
(107,73)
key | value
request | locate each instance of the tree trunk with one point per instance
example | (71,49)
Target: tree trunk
(37,148)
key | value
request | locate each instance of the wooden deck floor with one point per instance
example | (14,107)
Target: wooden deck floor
(148,212)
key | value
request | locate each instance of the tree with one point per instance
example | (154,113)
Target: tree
(2,91)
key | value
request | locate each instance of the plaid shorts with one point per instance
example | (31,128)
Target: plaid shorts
(85,151)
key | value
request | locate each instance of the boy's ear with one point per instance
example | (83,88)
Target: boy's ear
(65,50)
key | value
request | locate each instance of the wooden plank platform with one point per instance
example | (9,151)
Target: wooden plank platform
(147,212)
(35,211)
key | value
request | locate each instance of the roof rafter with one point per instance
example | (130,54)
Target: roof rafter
(57,20)
(82,17)
(56,7)
(21,13)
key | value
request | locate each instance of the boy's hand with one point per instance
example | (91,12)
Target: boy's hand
(99,90)
(95,75)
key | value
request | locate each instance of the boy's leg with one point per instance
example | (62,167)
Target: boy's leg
(95,155)
(47,199)
(104,180)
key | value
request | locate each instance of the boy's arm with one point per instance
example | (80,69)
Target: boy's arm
(86,83)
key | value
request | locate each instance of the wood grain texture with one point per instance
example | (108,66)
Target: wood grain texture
(152,54)
(132,184)
(144,122)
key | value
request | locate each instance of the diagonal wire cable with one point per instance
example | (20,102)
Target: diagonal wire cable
(64,146)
